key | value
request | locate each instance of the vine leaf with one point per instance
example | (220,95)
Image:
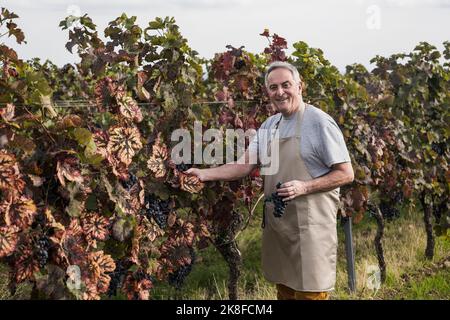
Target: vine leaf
(96,226)
(67,169)
(18,211)
(190,183)
(8,240)
(129,109)
(7,170)
(7,113)
(26,265)
(69,121)
(10,180)
(101,142)
(157,160)
(124,142)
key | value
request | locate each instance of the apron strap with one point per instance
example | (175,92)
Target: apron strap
(300,115)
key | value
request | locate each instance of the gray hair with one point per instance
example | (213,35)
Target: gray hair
(285,65)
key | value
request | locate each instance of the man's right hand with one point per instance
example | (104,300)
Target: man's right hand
(199,173)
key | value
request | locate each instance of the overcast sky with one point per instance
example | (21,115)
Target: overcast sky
(348,31)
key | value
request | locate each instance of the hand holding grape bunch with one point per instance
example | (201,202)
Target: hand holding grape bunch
(278,202)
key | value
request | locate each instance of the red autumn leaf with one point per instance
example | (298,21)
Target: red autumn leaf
(157,166)
(279,41)
(137,286)
(68,169)
(104,261)
(91,292)
(190,183)
(69,121)
(157,160)
(96,226)
(8,240)
(187,230)
(142,93)
(154,232)
(10,179)
(7,113)
(25,266)
(160,149)
(90,270)
(119,168)
(124,142)
(135,247)
(7,171)
(105,91)
(129,108)
(18,212)
(101,142)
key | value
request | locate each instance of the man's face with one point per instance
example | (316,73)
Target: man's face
(284,93)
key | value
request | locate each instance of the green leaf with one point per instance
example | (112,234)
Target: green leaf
(92,159)
(91,148)
(156,24)
(123,228)
(116,249)
(91,203)
(75,208)
(25,144)
(83,136)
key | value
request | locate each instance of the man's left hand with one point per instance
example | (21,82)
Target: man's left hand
(292,189)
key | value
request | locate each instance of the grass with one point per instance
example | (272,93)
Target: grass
(409,274)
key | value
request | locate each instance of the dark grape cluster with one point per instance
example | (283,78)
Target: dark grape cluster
(142,275)
(239,64)
(280,205)
(42,247)
(157,209)
(128,184)
(117,277)
(439,148)
(389,211)
(398,197)
(183,166)
(177,278)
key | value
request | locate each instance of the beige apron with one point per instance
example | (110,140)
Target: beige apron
(299,248)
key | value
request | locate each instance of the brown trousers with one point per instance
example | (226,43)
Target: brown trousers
(286,293)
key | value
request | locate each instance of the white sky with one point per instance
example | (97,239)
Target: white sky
(348,31)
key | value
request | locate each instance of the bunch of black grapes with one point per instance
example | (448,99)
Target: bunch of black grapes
(157,209)
(389,211)
(117,277)
(177,278)
(278,202)
(128,184)
(439,148)
(239,64)
(41,250)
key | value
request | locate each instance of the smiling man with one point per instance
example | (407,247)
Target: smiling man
(299,248)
